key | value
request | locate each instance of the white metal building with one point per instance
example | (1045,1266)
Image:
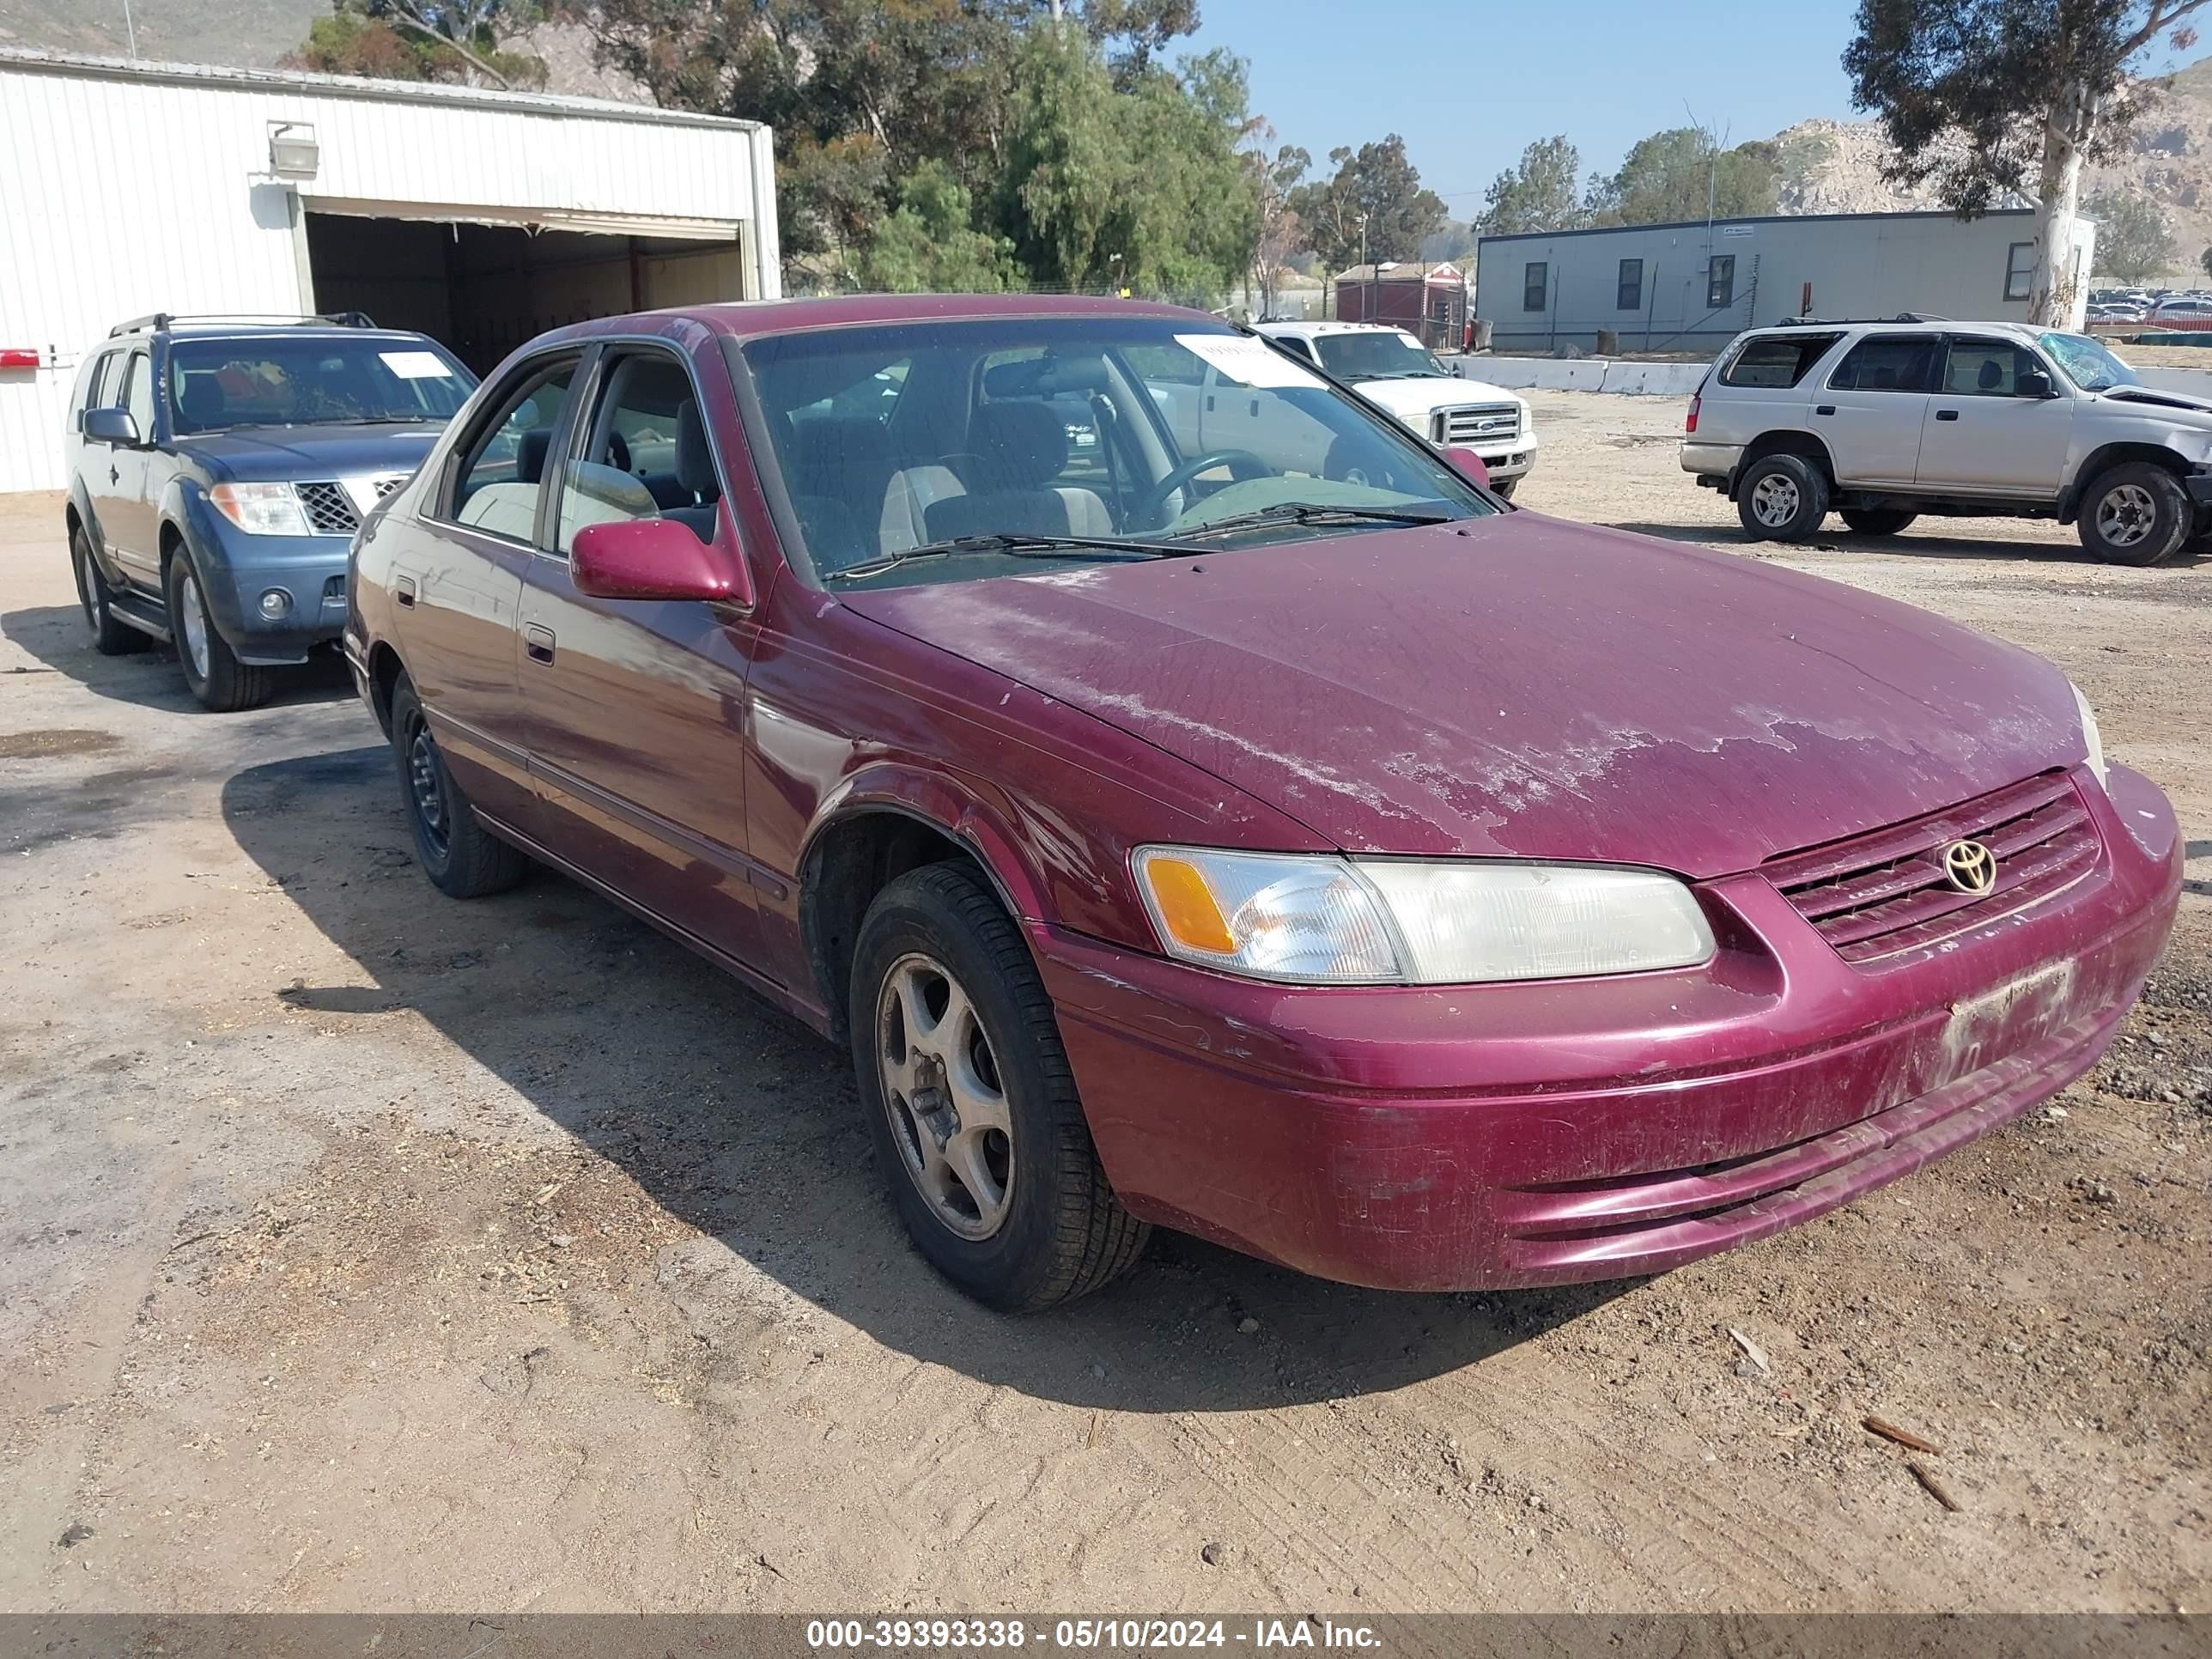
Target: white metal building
(1691,287)
(481,218)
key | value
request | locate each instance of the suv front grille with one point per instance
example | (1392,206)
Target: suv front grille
(329,512)
(1884,892)
(1487,423)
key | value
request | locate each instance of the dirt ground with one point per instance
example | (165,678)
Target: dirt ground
(363,1250)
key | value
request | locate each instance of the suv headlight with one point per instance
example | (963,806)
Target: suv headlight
(1321,919)
(261,509)
(2093,739)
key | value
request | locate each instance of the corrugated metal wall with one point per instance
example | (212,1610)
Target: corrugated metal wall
(127,190)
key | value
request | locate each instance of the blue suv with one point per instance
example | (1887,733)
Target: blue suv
(218,469)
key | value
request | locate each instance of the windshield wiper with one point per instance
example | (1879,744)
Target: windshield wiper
(1305,513)
(1019,544)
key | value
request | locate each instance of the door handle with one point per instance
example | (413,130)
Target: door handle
(1255,409)
(1947,414)
(1209,405)
(538,643)
(1825,409)
(114,477)
(402,589)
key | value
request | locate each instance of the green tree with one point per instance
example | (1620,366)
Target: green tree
(1683,173)
(1374,197)
(1994,98)
(2204,261)
(929,243)
(1274,174)
(412,41)
(1538,193)
(2133,241)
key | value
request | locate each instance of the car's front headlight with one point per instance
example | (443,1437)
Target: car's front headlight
(262,509)
(1329,921)
(2091,737)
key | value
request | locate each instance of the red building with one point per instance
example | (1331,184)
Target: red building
(1427,300)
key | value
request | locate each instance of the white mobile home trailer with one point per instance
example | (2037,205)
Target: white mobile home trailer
(1693,287)
(480,218)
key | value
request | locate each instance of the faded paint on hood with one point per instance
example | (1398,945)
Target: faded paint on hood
(1517,685)
(283,453)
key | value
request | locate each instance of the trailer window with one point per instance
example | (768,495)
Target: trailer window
(1778,360)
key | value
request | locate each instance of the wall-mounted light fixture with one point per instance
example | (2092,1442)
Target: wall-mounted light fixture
(292,152)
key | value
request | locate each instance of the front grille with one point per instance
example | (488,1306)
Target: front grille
(384,487)
(329,512)
(1485,423)
(1884,893)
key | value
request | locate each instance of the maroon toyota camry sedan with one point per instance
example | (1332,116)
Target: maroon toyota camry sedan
(1199,801)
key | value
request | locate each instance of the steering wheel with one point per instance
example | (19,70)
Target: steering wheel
(1155,501)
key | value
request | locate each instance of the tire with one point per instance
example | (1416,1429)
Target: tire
(1047,1227)
(463,859)
(1877,521)
(1782,498)
(1361,460)
(110,636)
(212,671)
(2135,513)
(1504,490)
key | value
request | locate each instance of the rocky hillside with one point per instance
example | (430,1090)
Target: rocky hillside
(1839,165)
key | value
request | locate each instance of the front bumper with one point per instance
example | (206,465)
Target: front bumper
(1501,1136)
(235,569)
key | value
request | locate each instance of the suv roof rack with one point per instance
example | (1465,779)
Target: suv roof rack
(1856,322)
(158,321)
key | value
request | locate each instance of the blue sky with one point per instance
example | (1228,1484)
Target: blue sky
(1469,82)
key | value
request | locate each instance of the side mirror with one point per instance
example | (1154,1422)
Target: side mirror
(2033,383)
(654,559)
(112,426)
(1469,464)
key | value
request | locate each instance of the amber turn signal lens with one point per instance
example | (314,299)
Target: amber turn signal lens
(1186,905)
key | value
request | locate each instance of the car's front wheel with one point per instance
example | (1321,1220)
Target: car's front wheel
(1506,488)
(462,858)
(1782,498)
(111,637)
(970,1101)
(1878,520)
(212,669)
(2135,513)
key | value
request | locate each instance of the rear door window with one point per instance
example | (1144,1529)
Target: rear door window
(1888,363)
(1777,361)
(502,467)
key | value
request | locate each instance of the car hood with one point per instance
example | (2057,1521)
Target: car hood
(2160,398)
(1521,686)
(282,453)
(1416,399)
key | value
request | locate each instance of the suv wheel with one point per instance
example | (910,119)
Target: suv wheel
(2135,513)
(970,1102)
(1877,521)
(110,637)
(462,858)
(213,671)
(1782,498)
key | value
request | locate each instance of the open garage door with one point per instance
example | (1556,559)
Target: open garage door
(483,289)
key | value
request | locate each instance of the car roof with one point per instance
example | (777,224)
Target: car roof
(1929,326)
(751,319)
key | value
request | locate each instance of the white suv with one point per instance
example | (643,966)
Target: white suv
(1883,421)
(1390,367)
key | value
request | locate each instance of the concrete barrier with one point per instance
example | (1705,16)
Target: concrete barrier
(2189,382)
(1582,374)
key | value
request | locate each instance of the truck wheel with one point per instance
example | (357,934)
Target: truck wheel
(2135,513)
(1505,490)
(211,669)
(110,636)
(1877,521)
(462,858)
(1782,498)
(970,1102)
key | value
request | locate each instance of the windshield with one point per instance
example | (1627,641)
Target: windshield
(2086,362)
(321,380)
(950,451)
(1381,354)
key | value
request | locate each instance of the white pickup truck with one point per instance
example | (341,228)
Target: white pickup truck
(1390,367)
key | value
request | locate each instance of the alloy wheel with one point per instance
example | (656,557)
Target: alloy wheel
(1774,500)
(2126,515)
(947,1101)
(192,623)
(88,588)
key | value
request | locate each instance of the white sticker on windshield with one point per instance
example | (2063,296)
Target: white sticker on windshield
(1247,362)
(417,365)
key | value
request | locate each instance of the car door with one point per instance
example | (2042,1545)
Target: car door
(116,476)
(1870,410)
(1984,434)
(636,710)
(457,584)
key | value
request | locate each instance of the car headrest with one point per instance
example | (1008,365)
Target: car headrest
(694,457)
(1022,445)
(202,400)
(1991,377)
(529,454)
